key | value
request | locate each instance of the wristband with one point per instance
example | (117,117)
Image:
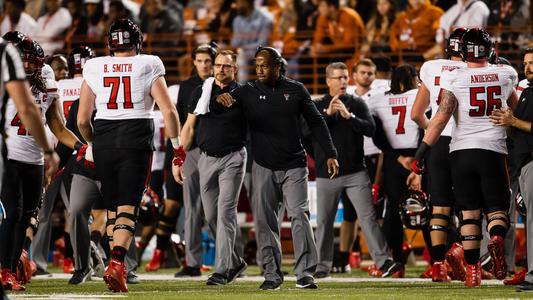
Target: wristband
(78,145)
(47,152)
(421,152)
(175,142)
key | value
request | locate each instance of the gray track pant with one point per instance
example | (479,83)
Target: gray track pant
(193,210)
(526,188)
(269,187)
(220,185)
(357,188)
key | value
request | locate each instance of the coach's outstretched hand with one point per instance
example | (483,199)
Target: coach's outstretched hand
(225,100)
(333,167)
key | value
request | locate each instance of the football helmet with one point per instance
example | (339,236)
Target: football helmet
(14,37)
(124,35)
(414,209)
(77,58)
(149,208)
(33,53)
(476,45)
(453,43)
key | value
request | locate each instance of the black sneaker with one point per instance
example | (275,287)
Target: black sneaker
(525,287)
(269,285)
(80,276)
(132,278)
(216,279)
(41,272)
(389,267)
(321,274)
(188,272)
(234,273)
(307,282)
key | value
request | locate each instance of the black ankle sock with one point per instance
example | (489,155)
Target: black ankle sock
(119,253)
(96,236)
(472,256)
(162,242)
(498,230)
(438,252)
(343,258)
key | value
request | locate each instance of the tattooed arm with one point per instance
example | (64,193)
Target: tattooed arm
(447,106)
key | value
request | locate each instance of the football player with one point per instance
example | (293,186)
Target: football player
(122,87)
(477,148)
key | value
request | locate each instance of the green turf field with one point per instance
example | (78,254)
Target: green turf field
(245,289)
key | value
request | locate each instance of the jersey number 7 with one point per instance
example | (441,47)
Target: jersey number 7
(401,110)
(114,83)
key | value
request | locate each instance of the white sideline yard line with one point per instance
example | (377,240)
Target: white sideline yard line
(65,296)
(170,277)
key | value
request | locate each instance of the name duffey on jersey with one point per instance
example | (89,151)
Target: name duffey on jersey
(21,144)
(479,91)
(122,85)
(394,112)
(430,74)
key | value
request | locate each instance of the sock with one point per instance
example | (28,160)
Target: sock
(472,256)
(438,252)
(498,230)
(119,253)
(162,242)
(96,236)
(343,258)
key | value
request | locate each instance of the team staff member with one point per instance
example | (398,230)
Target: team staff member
(123,88)
(348,119)
(221,134)
(13,81)
(203,57)
(521,122)
(273,106)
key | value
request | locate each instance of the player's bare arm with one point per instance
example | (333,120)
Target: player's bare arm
(160,94)
(513,100)
(54,119)
(418,112)
(85,112)
(188,132)
(447,106)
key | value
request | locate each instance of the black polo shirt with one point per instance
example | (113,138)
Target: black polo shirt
(347,135)
(523,141)
(273,114)
(187,87)
(223,129)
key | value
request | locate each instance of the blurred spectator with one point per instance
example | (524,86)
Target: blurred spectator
(363,7)
(284,29)
(444,4)
(220,15)
(117,10)
(79,20)
(377,29)
(338,29)
(414,29)
(160,19)
(95,23)
(251,28)
(505,12)
(466,13)
(307,14)
(16,19)
(51,27)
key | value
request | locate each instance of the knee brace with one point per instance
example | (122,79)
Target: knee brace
(470,237)
(132,217)
(498,217)
(438,227)
(166,223)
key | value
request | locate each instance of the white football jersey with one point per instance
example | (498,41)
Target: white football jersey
(69,91)
(430,74)
(158,159)
(522,85)
(122,85)
(21,146)
(479,91)
(394,112)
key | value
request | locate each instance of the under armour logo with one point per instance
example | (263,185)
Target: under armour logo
(286,97)
(262,97)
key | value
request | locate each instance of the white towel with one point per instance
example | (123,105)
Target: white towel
(202,107)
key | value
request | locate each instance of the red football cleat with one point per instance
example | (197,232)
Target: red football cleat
(355,260)
(473,275)
(497,253)
(440,272)
(374,271)
(24,272)
(33,267)
(68,265)
(455,258)
(156,261)
(428,273)
(517,279)
(10,282)
(400,273)
(115,277)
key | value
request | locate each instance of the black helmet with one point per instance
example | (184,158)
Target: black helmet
(453,43)
(31,52)
(77,58)
(124,35)
(14,37)
(414,209)
(476,45)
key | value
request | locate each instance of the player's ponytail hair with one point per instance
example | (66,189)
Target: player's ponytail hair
(403,79)
(37,82)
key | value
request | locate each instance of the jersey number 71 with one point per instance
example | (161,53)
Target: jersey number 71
(114,83)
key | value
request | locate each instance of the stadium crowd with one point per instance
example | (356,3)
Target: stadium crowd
(374,136)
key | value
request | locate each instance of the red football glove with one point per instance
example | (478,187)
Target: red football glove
(81,155)
(418,167)
(179,156)
(375,193)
